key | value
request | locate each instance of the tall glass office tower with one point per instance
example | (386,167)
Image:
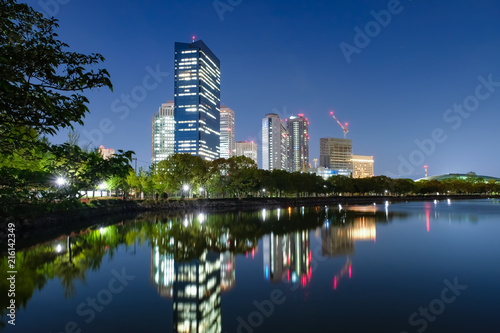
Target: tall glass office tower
(298,143)
(197,100)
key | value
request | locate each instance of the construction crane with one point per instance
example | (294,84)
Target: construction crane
(344,127)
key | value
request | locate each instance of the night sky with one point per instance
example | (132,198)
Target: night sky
(394,84)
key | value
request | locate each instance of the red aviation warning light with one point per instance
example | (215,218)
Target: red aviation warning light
(193,38)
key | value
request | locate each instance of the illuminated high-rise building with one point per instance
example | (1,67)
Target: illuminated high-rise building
(274,143)
(227,144)
(106,153)
(298,143)
(248,149)
(362,166)
(197,100)
(163,133)
(336,155)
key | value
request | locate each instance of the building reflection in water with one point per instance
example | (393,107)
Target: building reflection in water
(287,257)
(197,294)
(227,271)
(195,287)
(162,271)
(339,240)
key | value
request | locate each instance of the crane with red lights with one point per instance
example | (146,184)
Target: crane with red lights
(344,127)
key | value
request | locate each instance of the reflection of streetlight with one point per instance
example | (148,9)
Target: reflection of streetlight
(58,248)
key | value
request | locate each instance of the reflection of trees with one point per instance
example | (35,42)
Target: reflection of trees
(185,236)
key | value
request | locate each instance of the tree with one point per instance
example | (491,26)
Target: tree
(242,174)
(40,80)
(404,186)
(178,170)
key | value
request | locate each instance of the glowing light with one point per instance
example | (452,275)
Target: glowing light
(185,187)
(449,202)
(201,217)
(101,230)
(335,283)
(428,224)
(58,248)
(350,271)
(60,181)
(103,186)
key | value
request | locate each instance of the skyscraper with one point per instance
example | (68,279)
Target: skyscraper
(197,100)
(163,133)
(298,143)
(336,154)
(248,149)
(106,153)
(362,166)
(274,143)
(227,144)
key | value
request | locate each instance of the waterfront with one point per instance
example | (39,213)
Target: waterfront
(337,268)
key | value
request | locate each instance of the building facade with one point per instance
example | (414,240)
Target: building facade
(227,144)
(274,143)
(298,143)
(106,153)
(336,155)
(197,100)
(362,166)
(163,133)
(248,149)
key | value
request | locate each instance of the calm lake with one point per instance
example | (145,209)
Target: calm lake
(406,267)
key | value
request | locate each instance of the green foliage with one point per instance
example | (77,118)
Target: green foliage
(177,170)
(40,80)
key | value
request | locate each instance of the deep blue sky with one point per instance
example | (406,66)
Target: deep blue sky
(285,56)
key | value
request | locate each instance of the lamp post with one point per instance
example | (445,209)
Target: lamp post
(60,181)
(185,188)
(102,187)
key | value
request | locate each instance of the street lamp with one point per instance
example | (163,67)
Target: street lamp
(264,192)
(60,181)
(185,188)
(201,189)
(102,187)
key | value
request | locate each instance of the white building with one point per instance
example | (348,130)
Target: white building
(163,133)
(227,144)
(106,153)
(248,149)
(274,143)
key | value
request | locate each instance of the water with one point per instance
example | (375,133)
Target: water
(409,267)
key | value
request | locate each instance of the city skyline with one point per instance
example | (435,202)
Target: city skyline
(397,89)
